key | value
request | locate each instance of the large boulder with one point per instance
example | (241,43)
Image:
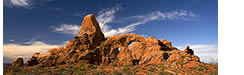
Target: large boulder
(18,62)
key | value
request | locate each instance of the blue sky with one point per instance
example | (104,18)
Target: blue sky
(36,25)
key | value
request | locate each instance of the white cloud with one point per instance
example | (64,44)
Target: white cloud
(24,3)
(108,15)
(67,29)
(204,48)
(12,51)
(11,40)
(207,53)
(208,57)
(144,35)
(18,3)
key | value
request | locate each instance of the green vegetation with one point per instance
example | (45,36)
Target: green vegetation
(91,66)
(115,72)
(99,72)
(114,65)
(125,69)
(164,73)
(161,67)
(16,69)
(151,69)
(91,69)
(60,69)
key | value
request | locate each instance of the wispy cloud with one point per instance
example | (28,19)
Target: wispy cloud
(208,57)
(18,3)
(204,48)
(11,40)
(107,16)
(24,3)
(12,51)
(207,53)
(67,29)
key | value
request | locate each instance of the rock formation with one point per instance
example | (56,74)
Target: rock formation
(90,46)
(18,62)
(188,50)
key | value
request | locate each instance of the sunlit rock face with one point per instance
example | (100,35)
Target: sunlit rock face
(90,46)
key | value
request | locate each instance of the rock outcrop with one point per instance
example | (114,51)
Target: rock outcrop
(188,50)
(90,46)
(18,62)
(90,31)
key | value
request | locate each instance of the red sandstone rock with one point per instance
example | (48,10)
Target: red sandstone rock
(188,50)
(164,41)
(18,62)
(90,46)
(55,50)
(90,29)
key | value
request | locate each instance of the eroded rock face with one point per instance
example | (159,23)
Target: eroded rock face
(188,50)
(90,31)
(18,62)
(90,46)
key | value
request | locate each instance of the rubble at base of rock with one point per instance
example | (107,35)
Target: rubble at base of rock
(90,46)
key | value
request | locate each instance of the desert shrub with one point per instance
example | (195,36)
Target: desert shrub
(142,68)
(60,69)
(80,73)
(99,72)
(182,62)
(127,65)
(149,73)
(70,62)
(114,65)
(164,73)
(30,73)
(115,72)
(138,67)
(214,72)
(42,66)
(101,67)
(161,67)
(83,68)
(129,73)
(201,67)
(76,68)
(151,69)
(5,70)
(81,65)
(16,69)
(91,66)
(125,69)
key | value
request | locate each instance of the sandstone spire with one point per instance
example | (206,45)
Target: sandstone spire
(90,29)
